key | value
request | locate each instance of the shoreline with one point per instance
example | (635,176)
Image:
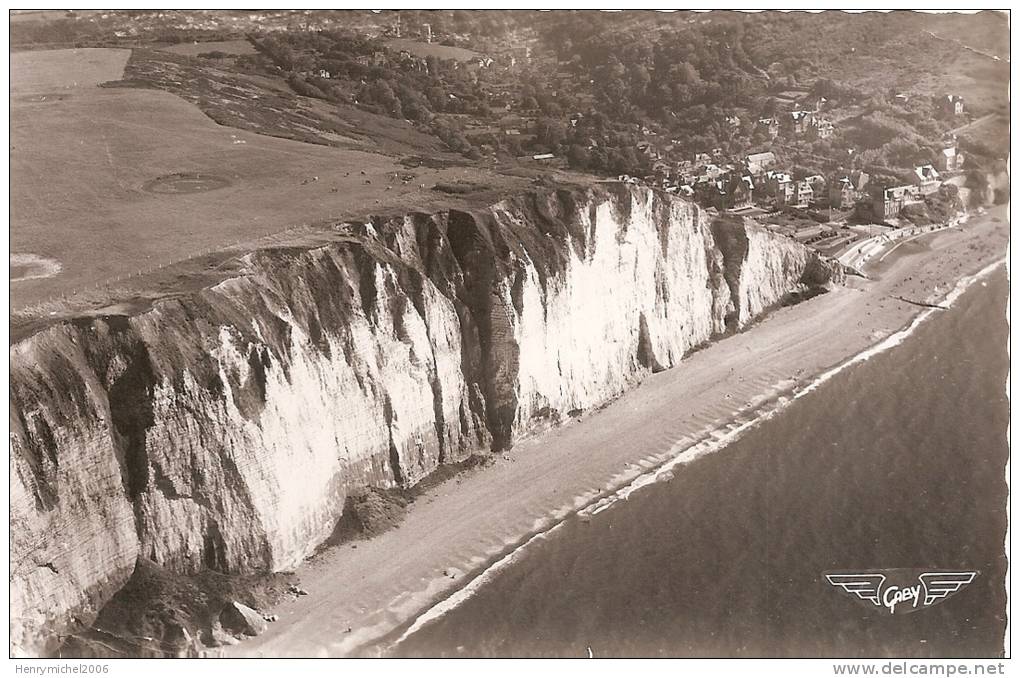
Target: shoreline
(462,532)
(730,433)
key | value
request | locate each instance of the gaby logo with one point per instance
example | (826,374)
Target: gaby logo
(901,591)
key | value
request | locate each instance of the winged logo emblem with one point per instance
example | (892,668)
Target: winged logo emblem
(901,591)
(939,585)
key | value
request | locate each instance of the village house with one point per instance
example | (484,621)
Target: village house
(710,193)
(889,202)
(926,178)
(759,163)
(707,172)
(950,105)
(860,179)
(804,194)
(798,123)
(780,186)
(949,159)
(817,183)
(842,193)
(770,126)
(686,176)
(407,60)
(722,194)
(823,129)
(648,149)
(741,192)
(846,190)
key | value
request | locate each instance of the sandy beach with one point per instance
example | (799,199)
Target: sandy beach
(362,591)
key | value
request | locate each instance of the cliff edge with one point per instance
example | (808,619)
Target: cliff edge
(225,429)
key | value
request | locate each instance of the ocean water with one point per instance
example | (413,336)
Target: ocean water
(897,462)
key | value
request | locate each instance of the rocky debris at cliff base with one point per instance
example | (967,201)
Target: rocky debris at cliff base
(795,297)
(159,613)
(217,637)
(367,513)
(371,511)
(238,618)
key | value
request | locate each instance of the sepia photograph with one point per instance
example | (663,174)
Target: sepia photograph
(509,334)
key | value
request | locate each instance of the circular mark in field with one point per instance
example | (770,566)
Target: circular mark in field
(45,98)
(185,182)
(26,266)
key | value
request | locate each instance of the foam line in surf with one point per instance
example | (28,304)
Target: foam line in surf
(469,589)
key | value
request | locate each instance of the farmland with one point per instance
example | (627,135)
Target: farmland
(34,73)
(225,46)
(425,49)
(266,105)
(107,182)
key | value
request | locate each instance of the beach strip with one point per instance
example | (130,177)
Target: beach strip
(456,534)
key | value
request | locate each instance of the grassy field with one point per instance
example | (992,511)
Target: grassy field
(196,48)
(107,182)
(267,105)
(63,69)
(927,66)
(991,132)
(987,31)
(983,83)
(22,15)
(425,49)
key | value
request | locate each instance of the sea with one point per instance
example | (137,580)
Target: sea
(896,462)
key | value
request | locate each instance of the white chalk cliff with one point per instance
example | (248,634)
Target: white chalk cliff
(225,428)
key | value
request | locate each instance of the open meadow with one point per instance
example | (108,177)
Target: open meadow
(35,73)
(107,182)
(427,49)
(224,46)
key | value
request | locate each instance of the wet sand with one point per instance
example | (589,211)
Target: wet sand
(362,591)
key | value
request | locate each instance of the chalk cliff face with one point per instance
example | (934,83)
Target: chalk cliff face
(224,429)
